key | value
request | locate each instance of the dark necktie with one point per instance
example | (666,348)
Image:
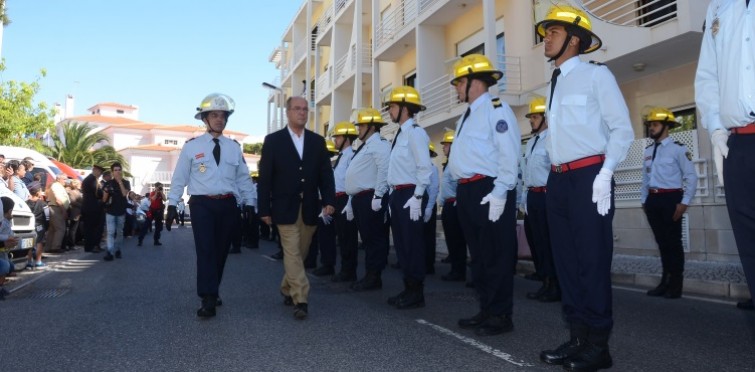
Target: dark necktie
(554,79)
(340,154)
(534,144)
(655,149)
(216,151)
(394,139)
(466,115)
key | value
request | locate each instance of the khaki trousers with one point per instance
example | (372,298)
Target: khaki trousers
(57,228)
(295,239)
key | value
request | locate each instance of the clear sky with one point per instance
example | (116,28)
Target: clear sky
(161,55)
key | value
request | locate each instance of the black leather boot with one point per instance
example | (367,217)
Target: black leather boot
(475,321)
(208,307)
(535,295)
(393,300)
(495,325)
(568,349)
(675,284)
(661,289)
(414,297)
(552,293)
(370,282)
(592,358)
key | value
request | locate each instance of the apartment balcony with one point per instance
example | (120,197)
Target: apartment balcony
(324,24)
(323,87)
(644,37)
(395,31)
(349,65)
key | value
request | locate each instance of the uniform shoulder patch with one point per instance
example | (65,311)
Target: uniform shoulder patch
(501,126)
(597,63)
(496,102)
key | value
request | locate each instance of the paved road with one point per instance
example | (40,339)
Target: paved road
(138,314)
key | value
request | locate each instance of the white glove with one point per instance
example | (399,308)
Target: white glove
(326,218)
(718,139)
(496,206)
(523,208)
(377,204)
(601,191)
(428,213)
(415,208)
(348,211)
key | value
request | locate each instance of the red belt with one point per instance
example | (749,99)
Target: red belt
(538,189)
(370,191)
(747,129)
(219,196)
(579,163)
(474,178)
(663,191)
(404,186)
(451,200)
(340,194)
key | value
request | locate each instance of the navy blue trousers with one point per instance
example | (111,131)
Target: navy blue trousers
(408,237)
(660,209)
(739,182)
(492,245)
(348,237)
(582,242)
(430,232)
(457,245)
(213,224)
(537,216)
(372,229)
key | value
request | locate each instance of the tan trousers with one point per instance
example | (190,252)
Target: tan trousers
(295,240)
(57,228)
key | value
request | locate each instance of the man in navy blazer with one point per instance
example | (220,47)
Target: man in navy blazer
(295,186)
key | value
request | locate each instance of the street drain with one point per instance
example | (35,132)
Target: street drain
(42,293)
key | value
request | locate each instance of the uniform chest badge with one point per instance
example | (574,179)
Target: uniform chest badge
(714,27)
(202,168)
(501,126)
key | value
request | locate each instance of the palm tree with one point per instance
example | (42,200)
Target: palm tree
(75,148)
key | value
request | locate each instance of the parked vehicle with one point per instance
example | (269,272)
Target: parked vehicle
(67,169)
(41,162)
(23,224)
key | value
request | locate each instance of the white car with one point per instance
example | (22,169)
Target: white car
(23,224)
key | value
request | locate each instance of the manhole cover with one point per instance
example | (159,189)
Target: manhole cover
(38,293)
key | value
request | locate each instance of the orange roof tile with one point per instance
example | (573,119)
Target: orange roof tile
(112,120)
(152,148)
(114,105)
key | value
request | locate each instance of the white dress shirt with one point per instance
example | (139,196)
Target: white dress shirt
(298,141)
(410,158)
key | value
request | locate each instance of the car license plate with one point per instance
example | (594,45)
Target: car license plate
(27,243)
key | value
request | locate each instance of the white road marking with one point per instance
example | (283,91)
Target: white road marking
(474,343)
(269,258)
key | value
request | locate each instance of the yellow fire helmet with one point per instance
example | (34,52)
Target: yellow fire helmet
(537,106)
(331,146)
(660,114)
(432,150)
(568,15)
(367,115)
(448,137)
(405,94)
(215,102)
(344,128)
(474,65)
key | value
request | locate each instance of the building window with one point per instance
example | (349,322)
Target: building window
(410,79)
(170,142)
(120,111)
(654,12)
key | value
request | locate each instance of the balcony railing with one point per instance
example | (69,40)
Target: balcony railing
(322,85)
(326,19)
(439,96)
(644,13)
(340,68)
(511,66)
(396,20)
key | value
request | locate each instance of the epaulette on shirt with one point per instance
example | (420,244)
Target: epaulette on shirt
(415,125)
(679,143)
(597,63)
(237,142)
(497,102)
(649,146)
(190,139)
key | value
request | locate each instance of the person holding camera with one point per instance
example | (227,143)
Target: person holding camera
(157,208)
(114,196)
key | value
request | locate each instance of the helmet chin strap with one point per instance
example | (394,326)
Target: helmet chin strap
(535,130)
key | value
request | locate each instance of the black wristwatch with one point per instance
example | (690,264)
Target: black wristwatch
(418,197)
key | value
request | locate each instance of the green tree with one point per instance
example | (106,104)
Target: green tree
(75,148)
(22,122)
(253,148)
